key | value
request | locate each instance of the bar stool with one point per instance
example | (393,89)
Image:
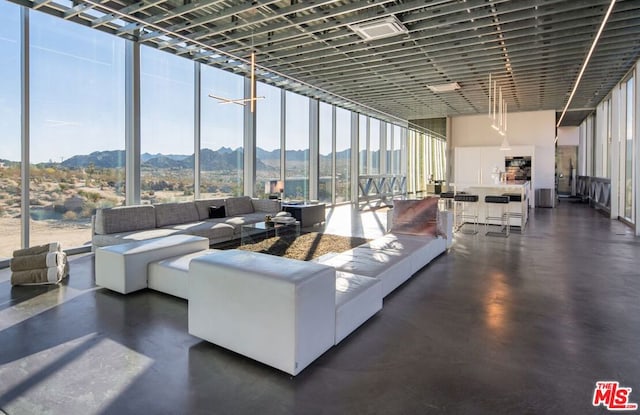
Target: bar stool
(515,198)
(446,201)
(503,201)
(466,207)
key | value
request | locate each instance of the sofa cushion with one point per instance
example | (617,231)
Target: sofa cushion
(392,267)
(238,205)
(202,206)
(175,213)
(357,299)
(217,212)
(139,235)
(266,205)
(171,275)
(124,219)
(416,217)
(208,229)
(420,250)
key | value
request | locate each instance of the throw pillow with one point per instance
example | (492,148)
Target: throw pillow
(216,212)
(416,217)
(238,205)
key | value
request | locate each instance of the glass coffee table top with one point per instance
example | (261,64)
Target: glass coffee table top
(258,231)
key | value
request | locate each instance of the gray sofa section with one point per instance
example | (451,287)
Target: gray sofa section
(124,224)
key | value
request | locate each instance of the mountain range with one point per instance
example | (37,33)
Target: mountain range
(224,158)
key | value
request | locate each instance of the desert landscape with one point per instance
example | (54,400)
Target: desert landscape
(64,196)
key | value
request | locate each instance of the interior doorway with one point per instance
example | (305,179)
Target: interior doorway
(566,164)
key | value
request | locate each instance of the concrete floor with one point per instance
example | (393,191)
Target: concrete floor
(524,325)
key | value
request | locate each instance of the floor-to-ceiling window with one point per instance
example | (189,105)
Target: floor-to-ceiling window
(628,149)
(389,149)
(325,145)
(297,147)
(166,126)
(343,155)
(76,126)
(608,137)
(221,145)
(397,149)
(420,157)
(374,146)
(411,161)
(10,153)
(268,134)
(363,144)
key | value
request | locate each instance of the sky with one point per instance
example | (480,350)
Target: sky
(78,102)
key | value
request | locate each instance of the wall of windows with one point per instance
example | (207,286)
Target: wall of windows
(10,150)
(268,136)
(77,128)
(166,127)
(608,148)
(78,104)
(296,184)
(629,164)
(426,160)
(222,128)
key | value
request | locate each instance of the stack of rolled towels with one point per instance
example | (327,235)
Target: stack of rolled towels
(42,264)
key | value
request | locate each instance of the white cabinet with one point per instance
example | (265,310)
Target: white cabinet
(468,166)
(474,165)
(492,157)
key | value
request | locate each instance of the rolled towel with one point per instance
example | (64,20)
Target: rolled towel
(27,262)
(56,258)
(50,275)
(38,249)
(30,277)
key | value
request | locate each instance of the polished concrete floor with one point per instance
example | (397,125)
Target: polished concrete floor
(524,325)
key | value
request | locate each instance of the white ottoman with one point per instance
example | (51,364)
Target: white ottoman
(277,311)
(171,275)
(358,298)
(123,268)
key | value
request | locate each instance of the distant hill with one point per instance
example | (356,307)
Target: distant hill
(144,157)
(9,163)
(267,155)
(165,162)
(100,159)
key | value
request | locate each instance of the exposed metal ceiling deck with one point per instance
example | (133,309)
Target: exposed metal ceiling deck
(534,48)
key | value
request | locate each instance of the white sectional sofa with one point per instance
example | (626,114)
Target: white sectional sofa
(124,224)
(283,312)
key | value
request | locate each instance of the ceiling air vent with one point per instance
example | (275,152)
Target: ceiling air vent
(444,87)
(378,29)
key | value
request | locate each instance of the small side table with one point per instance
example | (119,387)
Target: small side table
(308,215)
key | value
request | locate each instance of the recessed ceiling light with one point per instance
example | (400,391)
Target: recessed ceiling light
(444,87)
(378,29)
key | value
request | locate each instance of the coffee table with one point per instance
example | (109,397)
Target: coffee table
(256,232)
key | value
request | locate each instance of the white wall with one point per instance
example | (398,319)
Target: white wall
(534,128)
(568,136)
